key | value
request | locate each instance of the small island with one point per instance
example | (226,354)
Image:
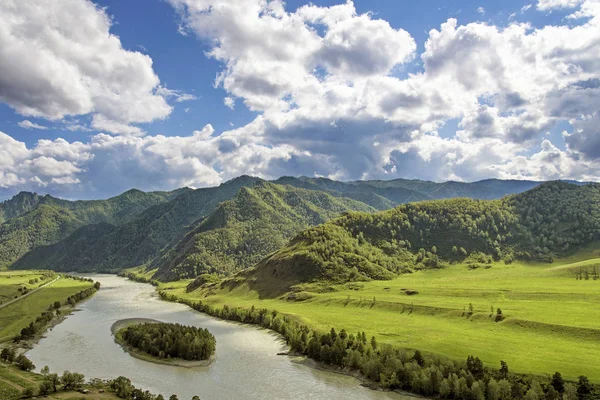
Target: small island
(165,343)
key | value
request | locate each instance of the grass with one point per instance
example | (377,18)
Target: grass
(18,315)
(552,320)
(10,282)
(13,382)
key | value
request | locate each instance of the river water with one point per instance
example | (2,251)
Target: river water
(246,365)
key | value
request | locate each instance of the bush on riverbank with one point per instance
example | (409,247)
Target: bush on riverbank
(403,369)
(165,340)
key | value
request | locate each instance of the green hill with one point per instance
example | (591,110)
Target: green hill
(43,220)
(163,235)
(240,232)
(549,220)
(136,242)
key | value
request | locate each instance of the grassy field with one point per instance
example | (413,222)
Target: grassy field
(14,381)
(10,282)
(18,315)
(552,320)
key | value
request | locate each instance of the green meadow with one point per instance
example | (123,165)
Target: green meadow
(551,319)
(19,314)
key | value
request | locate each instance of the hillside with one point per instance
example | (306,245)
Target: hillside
(549,220)
(49,219)
(19,204)
(153,236)
(384,195)
(240,232)
(112,248)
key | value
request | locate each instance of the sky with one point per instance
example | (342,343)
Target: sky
(98,97)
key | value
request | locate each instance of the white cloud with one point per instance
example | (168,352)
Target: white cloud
(547,5)
(589,9)
(526,8)
(326,94)
(229,102)
(27,124)
(481,10)
(332,99)
(178,95)
(59,58)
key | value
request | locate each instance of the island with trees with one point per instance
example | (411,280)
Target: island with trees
(165,343)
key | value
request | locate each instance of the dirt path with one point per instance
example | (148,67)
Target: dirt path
(9,383)
(29,293)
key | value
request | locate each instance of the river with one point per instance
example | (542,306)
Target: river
(246,365)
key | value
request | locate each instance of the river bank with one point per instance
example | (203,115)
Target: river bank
(44,323)
(307,361)
(175,362)
(246,365)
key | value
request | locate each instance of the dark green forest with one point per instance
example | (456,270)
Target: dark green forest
(165,340)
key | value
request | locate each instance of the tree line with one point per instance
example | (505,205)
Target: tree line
(53,311)
(166,340)
(124,389)
(409,370)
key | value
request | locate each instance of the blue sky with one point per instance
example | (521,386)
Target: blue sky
(344,90)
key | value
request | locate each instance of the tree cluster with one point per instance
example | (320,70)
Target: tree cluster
(10,356)
(166,340)
(124,389)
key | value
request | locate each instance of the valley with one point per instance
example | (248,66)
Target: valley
(509,283)
(548,314)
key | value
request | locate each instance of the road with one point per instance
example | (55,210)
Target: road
(28,293)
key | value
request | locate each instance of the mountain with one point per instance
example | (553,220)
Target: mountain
(138,241)
(19,204)
(193,233)
(383,195)
(240,232)
(549,220)
(34,221)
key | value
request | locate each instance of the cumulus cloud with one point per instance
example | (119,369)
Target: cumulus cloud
(332,99)
(321,79)
(110,164)
(27,124)
(59,59)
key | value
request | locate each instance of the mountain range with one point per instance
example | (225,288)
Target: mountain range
(186,233)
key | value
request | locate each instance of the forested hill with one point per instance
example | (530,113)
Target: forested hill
(19,204)
(139,241)
(178,233)
(539,224)
(164,235)
(240,232)
(384,195)
(33,221)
